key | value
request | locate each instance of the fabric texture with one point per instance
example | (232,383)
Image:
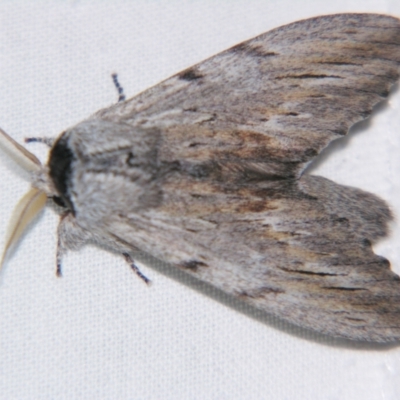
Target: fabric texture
(99,332)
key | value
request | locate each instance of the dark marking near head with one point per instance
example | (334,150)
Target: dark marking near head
(60,169)
(292,114)
(190,75)
(193,265)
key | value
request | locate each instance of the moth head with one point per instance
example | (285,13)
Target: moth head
(34,200)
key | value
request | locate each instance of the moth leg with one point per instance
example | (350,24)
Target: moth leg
(45,140)
(135,268)
(60,252)
(120,90)
(70,237)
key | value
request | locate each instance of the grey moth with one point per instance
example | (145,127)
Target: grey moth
(205,172)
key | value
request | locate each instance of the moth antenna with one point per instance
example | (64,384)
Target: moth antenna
(28,161)
(45,140)
(26,210)
(120,90)
(136,269)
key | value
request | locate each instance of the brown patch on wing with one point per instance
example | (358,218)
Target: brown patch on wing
(193,265)
(235,156)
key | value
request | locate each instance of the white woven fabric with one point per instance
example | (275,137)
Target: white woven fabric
(99,332)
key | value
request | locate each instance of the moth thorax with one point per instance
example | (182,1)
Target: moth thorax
(60,168)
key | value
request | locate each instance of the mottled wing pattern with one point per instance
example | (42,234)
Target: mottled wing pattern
(233,135)
(271,104)
(300,251)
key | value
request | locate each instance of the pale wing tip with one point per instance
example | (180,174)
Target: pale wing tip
(22,156)
(26,210)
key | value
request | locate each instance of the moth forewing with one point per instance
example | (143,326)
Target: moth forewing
(204,171)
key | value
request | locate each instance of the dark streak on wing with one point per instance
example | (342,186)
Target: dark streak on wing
(344,63)
(351,289)
(319,273)
(309,76)
(261,293)
(252,51)
(190,75)
(193,265)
